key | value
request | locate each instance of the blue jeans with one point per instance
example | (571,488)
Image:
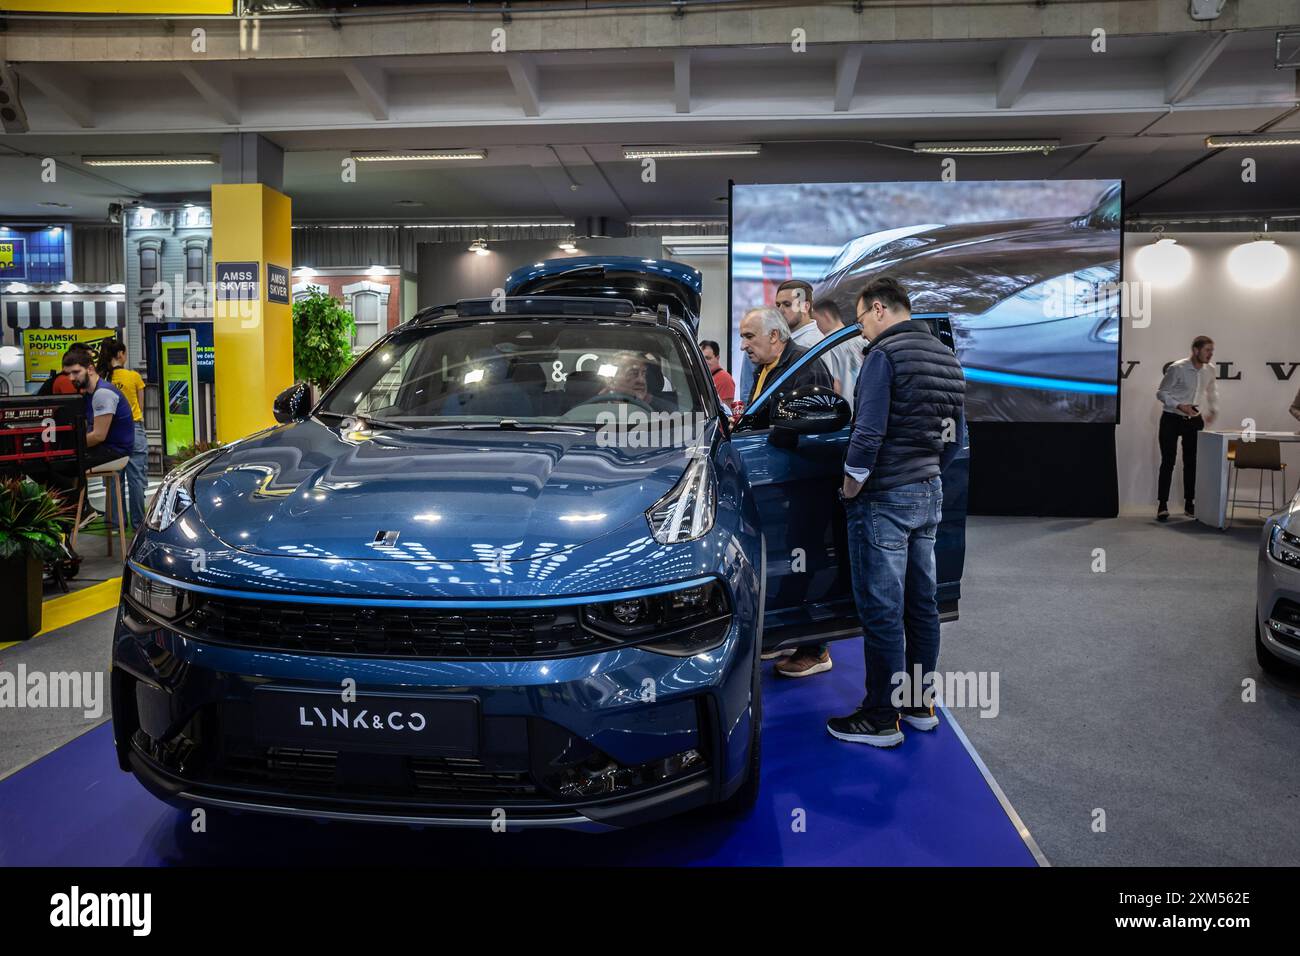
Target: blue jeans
(891,552)
(137,481)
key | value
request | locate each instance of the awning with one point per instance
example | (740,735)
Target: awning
(88,308)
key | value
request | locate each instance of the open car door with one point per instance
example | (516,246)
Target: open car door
(809,585)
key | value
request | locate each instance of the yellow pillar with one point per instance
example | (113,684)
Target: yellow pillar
(252,334)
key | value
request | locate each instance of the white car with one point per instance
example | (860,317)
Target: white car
(1277,613)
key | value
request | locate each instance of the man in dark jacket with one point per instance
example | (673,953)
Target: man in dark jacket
(765,338)
(908,425)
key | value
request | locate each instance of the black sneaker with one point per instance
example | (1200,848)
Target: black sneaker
(1189,509)
(922,718)
(858,728)
(1162,513)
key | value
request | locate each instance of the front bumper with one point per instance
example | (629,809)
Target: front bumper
(183,724)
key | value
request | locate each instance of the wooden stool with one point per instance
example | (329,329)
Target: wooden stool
(111,473)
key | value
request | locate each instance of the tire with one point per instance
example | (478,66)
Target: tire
(1270,662)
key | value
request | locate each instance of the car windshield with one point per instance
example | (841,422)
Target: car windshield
(537,371)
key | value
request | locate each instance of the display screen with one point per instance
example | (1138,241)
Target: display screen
(178,384)
(1029,273)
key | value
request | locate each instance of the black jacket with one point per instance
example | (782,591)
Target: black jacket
(927,389)
(813,373)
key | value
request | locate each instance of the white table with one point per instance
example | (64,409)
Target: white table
(1212,470)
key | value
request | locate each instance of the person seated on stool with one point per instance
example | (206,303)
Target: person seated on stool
(112,368)
(110,429)
(1188,384)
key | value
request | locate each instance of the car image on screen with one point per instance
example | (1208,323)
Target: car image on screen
(1034,304)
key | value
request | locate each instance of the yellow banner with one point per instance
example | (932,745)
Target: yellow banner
(43,349)
(159,7)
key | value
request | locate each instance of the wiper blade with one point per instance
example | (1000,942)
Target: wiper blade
(513,424)
(366,420)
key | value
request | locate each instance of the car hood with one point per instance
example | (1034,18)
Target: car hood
(310,490)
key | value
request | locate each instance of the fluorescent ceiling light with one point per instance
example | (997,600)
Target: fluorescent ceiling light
(422,156)
(149,160)
(1232,141)
(687,152)
(988,147)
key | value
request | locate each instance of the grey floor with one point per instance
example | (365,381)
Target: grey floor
(1119,691)
(1122,691)
(26,734)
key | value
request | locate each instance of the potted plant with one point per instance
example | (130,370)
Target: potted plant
(33,521)
(322,339)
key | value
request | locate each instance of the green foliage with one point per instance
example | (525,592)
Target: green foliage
(322,339)
(32,520)
(186,452)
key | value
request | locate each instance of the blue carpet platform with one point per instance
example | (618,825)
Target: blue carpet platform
(927,802)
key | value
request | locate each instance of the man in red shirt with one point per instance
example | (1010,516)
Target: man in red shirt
(722,380)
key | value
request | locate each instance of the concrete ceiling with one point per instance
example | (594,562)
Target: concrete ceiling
(552,121)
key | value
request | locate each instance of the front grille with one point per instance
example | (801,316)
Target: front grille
(285,766)
(466,778)
(392,632)
(319,771)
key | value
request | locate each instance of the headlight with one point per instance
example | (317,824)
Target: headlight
(176,493)
(161,599)
(1284,547)
(686,512)
(682,622)
(1093,292)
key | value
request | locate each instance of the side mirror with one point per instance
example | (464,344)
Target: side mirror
(811,410)
(293,404)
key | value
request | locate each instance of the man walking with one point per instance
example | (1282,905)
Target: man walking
(908,425)
(1187,386)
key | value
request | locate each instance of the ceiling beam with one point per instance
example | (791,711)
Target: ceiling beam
(217,87)
(65,89)
(847,66)
(371,84)
(523,74)
(1013,70)
(682,80)
(1187,63)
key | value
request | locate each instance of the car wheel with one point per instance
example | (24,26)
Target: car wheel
(1269,661)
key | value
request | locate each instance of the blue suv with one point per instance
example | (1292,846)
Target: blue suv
(517,566)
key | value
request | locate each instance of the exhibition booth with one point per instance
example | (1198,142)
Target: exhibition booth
(1082,443)
(616,449)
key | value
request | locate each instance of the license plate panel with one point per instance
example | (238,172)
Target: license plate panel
(420,724)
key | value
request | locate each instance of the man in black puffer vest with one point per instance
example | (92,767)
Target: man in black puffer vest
(908,425)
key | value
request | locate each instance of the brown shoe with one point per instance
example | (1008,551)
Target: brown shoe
(804,663)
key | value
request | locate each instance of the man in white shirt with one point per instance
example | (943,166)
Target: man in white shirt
(846,358)
(794,301)
(1188,386)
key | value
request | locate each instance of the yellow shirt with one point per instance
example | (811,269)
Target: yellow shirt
(130,384)
(762,376)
